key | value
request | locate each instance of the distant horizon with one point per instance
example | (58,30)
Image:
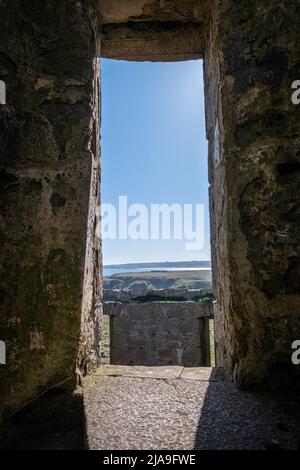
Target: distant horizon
(156,262)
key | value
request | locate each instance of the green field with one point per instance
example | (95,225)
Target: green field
(194,279)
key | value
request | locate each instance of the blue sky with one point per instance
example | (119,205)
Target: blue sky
(154,148)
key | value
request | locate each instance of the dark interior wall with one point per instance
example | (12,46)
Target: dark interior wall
(252,58)
(49,170)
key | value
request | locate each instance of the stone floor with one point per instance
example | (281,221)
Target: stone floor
(178,408)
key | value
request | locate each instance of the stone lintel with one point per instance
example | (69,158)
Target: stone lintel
(120,11)
(153,41)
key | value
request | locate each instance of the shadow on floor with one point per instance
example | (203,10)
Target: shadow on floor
(240,420)
(53,422)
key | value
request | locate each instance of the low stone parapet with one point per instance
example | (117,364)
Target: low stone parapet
(128,295)
(160,327)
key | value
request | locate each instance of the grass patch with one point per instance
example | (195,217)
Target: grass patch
(212,343)
(105,340)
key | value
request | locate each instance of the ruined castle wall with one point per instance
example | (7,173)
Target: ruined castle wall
(159,333)
(49,285)
(252,58)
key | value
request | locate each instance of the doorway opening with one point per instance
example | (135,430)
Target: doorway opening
(155,214)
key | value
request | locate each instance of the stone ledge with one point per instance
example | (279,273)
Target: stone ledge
(127,295)
(208,374)
(159,372)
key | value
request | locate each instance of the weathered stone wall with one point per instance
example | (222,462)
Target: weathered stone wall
(252,58)
(49,286)
(159,333)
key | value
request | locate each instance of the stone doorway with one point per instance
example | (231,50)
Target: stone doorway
(154,154)
(249,124)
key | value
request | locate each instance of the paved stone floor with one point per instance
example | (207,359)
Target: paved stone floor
(177,408)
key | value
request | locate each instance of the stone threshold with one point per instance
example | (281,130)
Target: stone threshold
(207,374)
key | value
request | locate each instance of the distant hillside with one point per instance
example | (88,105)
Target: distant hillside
(162,265)
(160,280)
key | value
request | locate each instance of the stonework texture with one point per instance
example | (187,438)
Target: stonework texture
(50,260)
(251,60)
(153,30)
(50,284)
(160,333)
(185,11)
(153,41)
